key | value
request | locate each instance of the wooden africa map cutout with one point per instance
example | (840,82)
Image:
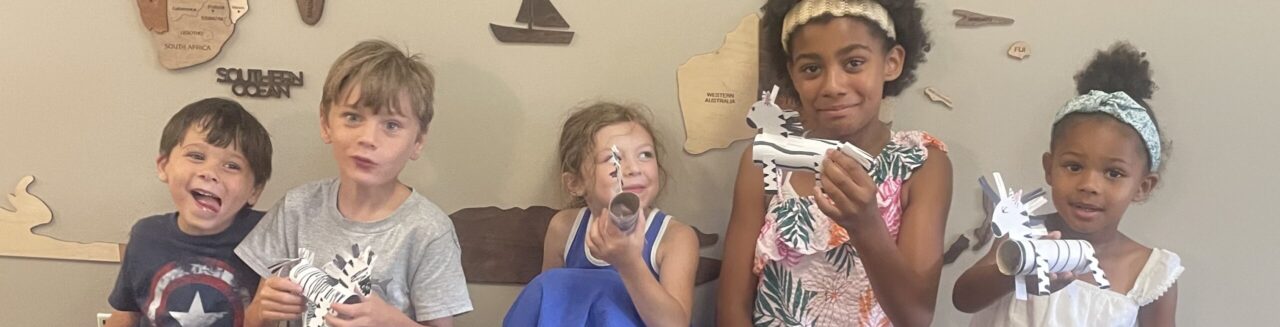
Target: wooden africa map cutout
(716,89)
(155,15)
(196,30)
(17,239)
(238,8)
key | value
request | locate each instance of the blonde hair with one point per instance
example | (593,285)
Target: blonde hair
(383,73)
(577,137)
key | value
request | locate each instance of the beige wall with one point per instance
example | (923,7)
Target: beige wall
(82,101)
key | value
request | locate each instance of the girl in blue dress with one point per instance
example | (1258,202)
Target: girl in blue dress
(593,273)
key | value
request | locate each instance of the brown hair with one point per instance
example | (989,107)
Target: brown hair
(383,73)
(224,122)
(578,137)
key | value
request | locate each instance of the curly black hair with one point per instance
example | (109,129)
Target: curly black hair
(1120,68)
(907,21)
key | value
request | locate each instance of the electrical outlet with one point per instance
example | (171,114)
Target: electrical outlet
(102,319)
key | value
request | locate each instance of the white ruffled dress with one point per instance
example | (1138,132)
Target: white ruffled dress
(1084,304)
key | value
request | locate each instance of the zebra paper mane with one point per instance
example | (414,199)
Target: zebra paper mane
(1011,213)
(767,117)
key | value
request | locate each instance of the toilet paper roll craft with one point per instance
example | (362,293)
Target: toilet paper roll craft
(781,145)
(624,207)
(1026,252)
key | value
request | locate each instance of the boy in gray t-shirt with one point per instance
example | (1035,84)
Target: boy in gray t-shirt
(375,108)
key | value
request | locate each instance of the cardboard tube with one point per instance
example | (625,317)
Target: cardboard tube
(1017,257)
(624,210)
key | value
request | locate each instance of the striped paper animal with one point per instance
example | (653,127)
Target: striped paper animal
(781,146)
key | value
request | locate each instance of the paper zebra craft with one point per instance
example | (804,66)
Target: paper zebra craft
(1011,214)
(1026,253)
(624,207)
(780,146)
(343,280)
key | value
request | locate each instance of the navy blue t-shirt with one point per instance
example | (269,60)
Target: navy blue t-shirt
(174,279)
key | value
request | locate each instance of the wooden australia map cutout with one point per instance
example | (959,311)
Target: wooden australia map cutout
(17,239)
(716,89)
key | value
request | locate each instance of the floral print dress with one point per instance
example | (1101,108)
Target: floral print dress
(809,274)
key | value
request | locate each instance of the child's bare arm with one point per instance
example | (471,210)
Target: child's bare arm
(668,302)
(122,319)
(982,284)
(737,283)
(554,242)
(1162,312)
(439,322)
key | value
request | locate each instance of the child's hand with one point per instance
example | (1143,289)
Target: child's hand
(847,193)
(610,244)
(280,299)
(371,311)
(1056,280)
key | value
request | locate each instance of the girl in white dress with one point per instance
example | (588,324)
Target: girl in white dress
(1104,154)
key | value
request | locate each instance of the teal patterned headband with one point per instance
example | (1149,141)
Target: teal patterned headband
(1124,108)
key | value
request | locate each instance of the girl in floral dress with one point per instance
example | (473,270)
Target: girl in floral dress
(862,247)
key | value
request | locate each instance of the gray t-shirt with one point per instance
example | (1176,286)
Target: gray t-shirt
(417,265)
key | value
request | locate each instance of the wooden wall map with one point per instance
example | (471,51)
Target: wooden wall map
(535,13)
(238,8)
(311,10)
(1019,50)
(936,96)
(17,239)
(155,15)
(716,89)
(193,32)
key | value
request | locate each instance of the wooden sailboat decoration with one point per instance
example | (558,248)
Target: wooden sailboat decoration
(535,13)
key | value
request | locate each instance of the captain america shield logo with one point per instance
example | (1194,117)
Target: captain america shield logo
(197,292)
